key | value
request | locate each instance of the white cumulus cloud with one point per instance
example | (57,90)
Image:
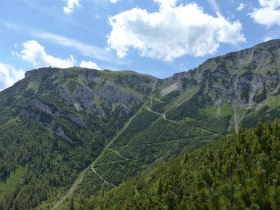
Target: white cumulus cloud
(171,32)
(268,13)
(89,65)
(71,4)
(35,54)
(9,75)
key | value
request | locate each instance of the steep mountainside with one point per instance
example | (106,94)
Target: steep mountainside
(55,122)
(240,86)
(75,133)
(191,109)
(240,172)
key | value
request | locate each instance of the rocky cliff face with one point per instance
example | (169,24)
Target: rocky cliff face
(246,81)
(235,85)
(78,96)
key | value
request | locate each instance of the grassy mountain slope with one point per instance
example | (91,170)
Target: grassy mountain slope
(147,141)
(73,133)
(54,123)
(238,172)
(188,111)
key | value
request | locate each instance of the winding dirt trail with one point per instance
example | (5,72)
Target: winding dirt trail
(105,149)
(100,177)
(71,190)
(115,151)
(173,121)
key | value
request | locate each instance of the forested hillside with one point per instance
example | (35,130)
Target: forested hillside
(238,172)
(54,123)
(67,135)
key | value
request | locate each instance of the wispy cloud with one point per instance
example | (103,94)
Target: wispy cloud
(38,6)
(85,49)
(214,5)
(56,14)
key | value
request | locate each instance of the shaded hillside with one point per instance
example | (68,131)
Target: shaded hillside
(239,172)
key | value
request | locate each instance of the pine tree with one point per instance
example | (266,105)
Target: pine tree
(72,206)
(186,157)
(160,188)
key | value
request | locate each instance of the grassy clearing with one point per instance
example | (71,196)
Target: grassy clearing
(10,185)
(33,85)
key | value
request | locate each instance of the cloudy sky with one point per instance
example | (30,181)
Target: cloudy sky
(157,37)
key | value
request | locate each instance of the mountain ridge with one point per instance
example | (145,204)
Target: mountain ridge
(270,43)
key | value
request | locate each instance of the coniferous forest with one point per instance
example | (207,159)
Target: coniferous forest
(238,172)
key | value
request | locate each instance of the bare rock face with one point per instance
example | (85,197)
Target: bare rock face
(39,74)
(49,114)
(82,95)
(238,76)
(79,98)
(43,107)
(233,84)
(61,133)
(114,95)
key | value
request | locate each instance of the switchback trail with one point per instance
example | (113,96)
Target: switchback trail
(115,151)
(82,174)
(100,177)
(112,162)
(163,116)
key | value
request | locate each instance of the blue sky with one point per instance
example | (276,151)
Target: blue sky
(157,37)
